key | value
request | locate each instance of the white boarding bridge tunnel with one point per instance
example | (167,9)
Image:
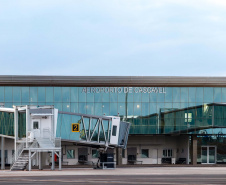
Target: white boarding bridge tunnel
(34,132)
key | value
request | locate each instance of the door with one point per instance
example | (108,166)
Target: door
(36,128)
(208,154)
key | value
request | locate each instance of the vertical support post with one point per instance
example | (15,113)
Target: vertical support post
(60,160)
(194,149)
(2,153)
(27,120)
(40,160)
(29,161)
(15,129)
(53,161)
(119,156)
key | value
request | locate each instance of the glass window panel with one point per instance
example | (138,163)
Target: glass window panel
(105,109)
(217,94)
(168,106)
(153,108)
(224,95)
(33,94)
(16,94)
(90,97)
(137,109)
(192,93)
(57,94)
(25,94)
(66,107)
(113,109)
(176,94)
(169,94)
(70,154)
(113,97)
(82,108)
(106,96)
(98,97)
(58,106)
(1,94)
(121,109)
(74,107)
(145,109)
(81,95)
(184,94)
(145,97)
(41,94)
(199,94)
(90,108)
(176,105)
(208,94)
(8,94)
(144,153)
(98,109)
(66,94)
(160,97)
(49,94)
(95,153)
(122,97)
(130,110)
(130,96)
(160,107)
(153,97)
(74,94)
(137,95)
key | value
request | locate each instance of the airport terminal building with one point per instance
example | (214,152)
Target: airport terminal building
(173,119)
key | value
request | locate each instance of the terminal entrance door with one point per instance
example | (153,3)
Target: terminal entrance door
(208,154)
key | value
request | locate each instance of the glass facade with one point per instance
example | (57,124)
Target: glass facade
(151,110)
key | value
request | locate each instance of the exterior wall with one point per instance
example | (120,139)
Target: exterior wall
(9,146)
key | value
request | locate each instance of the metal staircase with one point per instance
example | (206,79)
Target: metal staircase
(21,162)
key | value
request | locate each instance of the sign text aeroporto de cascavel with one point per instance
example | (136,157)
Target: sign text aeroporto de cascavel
(124,90)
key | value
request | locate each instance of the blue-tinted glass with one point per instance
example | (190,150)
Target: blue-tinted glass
(137,95)
(90,108)
(74,94)
(145,109)
(184,105)
(168,94)
(66,94)
(168,106)
(57,94)
(176,94)
(199,94)
(145,97)
(58,106)
(66,107)
(90,97)
(1,94)
(8,94)
(153,107)
(74,107)
(98,97)
(113,97)
(217,94)
(160,107)
(121,97)
(82,108)
(192,93)
(121,109)
(16,94)
(130,109)
(223,95)
(191,104)
(9,105)
(153,97)
(105,109)
(98,109)
(160,97)
(113,109)
(184,94)
(208,94)
(49,94)
(106,96)
(81,95)
(33,94)
(176,105)
(41,94)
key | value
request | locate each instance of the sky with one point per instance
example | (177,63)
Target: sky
(113,37)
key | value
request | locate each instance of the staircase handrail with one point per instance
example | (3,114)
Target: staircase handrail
(18,152)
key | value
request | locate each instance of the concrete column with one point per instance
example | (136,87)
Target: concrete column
(119,156)
(59,160)
(53,161)
(2,153)
(193,149)
(29,161)
(40,160)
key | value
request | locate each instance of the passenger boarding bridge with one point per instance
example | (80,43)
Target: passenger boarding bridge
(37,133)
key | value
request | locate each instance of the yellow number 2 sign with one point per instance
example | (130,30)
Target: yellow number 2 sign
(75,127)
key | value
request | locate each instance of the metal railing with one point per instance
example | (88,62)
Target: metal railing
(17,153)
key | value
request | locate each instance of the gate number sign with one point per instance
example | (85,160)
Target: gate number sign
(75,127)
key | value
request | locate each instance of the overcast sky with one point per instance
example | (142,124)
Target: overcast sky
(113,37)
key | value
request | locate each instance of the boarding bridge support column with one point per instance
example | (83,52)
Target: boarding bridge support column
(193,149)
(53,161)
(60,160)
(2,153)
(119,156)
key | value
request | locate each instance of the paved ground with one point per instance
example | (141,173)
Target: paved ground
(134,175)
